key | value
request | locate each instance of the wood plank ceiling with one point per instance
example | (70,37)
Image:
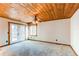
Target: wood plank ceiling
(43,11)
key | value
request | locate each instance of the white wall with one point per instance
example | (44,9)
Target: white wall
(3,32)
(52,30)
(75,32)
(4,29)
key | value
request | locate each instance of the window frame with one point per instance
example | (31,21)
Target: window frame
(31,31)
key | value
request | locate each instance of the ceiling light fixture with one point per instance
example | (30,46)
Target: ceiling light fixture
(35,21)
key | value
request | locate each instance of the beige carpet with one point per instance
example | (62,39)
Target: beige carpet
(33,48)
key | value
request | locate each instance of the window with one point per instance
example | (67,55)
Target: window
(33,30)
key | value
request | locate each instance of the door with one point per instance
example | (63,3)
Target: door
(17,32)
(13,33)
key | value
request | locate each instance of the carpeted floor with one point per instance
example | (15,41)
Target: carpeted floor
(33,48)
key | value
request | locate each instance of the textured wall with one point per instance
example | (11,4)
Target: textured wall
(3,32)
(75,32)
(54,30)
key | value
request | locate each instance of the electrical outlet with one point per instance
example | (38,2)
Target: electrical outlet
(6,41)
(56,39)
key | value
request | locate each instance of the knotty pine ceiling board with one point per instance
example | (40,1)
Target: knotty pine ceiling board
(44,11)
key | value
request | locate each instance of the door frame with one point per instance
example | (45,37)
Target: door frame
(9,43)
